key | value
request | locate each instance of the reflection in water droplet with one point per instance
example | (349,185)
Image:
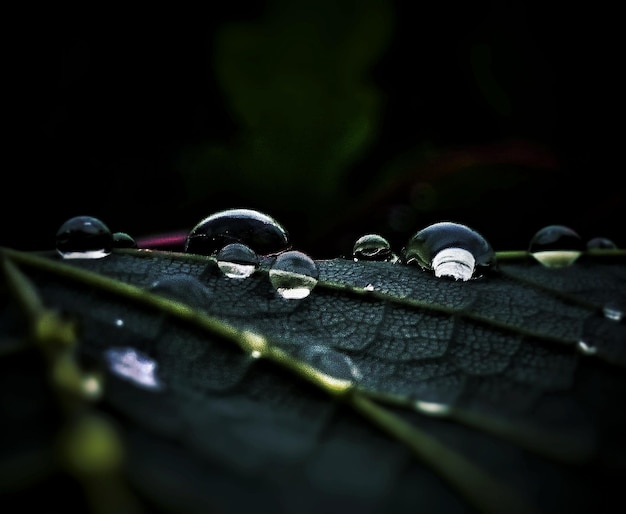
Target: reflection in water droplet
(182,288)
(119,322)
(294,275)
(613,312)
(260,232)
(236,260)
(450,250)
(373,247)
(556,246)
(132,365)
(255,354)
(84,237)
(331,362)
(586,348)
(432,408)
(601,243)
(369,287)
(123,240)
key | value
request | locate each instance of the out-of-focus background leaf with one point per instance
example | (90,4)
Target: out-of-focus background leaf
(336,118)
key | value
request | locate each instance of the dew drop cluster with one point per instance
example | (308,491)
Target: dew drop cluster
(240,239)
(87,237)
(456,251)
(447,249)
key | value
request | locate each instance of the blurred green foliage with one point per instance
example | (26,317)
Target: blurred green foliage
(297,83)
(336,118)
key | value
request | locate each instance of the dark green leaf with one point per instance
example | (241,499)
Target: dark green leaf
(385,390)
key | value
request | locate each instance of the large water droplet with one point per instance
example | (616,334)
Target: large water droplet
(84,237)
(260,232)
(294,274)
(450,250)
(373,247)
(123,240)
(132,365)
(601,243)
(331,362)
(237,260)
(556,246)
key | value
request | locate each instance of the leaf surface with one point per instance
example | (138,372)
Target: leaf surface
(386,389)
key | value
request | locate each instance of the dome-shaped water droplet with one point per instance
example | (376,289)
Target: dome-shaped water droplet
(294,274)
(260,232)
(373,247)
(450,250)
(236,260)
(182,288)
(84,237)
(331,362)
(601,243)
(123,240)
(556,246)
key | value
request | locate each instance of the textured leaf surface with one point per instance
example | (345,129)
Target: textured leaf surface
(385,390)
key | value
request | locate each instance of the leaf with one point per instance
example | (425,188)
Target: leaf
(386,389)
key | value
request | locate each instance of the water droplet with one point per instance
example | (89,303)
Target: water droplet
(330,362)
(119,322)
(92,386)
(183,288)
(123,240)
(601,243)
(450,250)
(260,232)
(294,274)
(556,246)
(373,247)
(369,287)
(586,348)
(613,312)
(432,408)
(84,237)
(237,260)
(132,365)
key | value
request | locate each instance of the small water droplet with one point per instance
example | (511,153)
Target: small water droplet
(237,260)
(92,386)
(432,408)
(373,247)
(119,322)
(586,348)
(84,237)
(294,274)
(556,246)
(255,354)
(601,243)
(123,240)
(450,250)
(331,362)
(135,366)
(613,312)
(183,288)
(260,232)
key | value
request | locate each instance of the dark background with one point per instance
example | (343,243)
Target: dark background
(506,118)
